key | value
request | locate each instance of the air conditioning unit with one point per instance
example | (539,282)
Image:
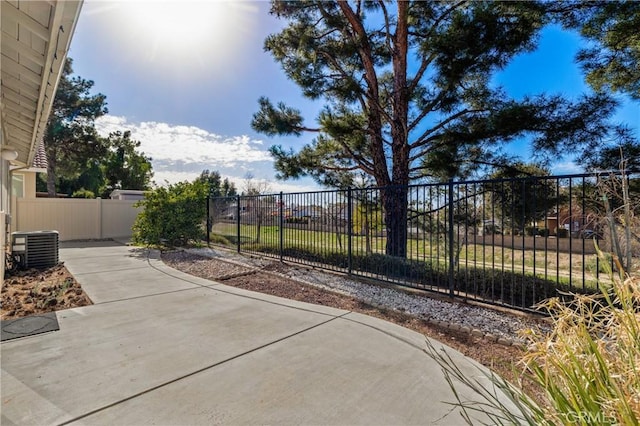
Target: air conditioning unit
(35,249)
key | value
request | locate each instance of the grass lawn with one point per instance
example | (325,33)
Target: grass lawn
(574,269)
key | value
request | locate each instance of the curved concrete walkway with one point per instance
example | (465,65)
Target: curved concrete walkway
(162,347)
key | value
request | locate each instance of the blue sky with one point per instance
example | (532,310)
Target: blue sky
(185,78)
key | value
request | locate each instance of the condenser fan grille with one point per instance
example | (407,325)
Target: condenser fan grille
(36,249)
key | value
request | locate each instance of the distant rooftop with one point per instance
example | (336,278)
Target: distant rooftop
(127,194)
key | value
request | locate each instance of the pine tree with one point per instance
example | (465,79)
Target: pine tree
(408,93)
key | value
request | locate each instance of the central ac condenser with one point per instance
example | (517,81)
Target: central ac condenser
(35,249)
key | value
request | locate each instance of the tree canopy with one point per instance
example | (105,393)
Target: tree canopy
(119,165)
(611,61)
(523,194)
(80,161)
(71,137)
(609,158)
(218,187)
(124,167)
(408,93)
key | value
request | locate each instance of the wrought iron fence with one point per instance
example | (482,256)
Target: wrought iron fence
(511,242)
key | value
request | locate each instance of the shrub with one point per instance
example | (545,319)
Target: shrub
(83,193)
(532,231)
(172,215)
(600,264)
(587,365)
(219,239)
(297,220)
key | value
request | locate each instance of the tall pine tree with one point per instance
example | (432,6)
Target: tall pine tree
(71,137)
(407,86)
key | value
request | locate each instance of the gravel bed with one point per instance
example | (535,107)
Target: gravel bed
(488,321)
(203,267)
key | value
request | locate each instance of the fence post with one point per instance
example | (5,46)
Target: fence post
(209,224)
(281,203)
(98,202)
(238,222)
(451,248)
(349,230)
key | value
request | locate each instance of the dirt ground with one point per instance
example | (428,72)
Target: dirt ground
(35,292)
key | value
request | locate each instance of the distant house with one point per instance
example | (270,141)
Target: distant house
(336,213)
(127,194)
(228,211)
(312,212)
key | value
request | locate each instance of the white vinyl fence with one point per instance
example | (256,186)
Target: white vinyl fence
(75,218)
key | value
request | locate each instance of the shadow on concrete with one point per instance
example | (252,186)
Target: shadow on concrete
(92,243)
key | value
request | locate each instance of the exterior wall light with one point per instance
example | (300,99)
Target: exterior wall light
(9,154)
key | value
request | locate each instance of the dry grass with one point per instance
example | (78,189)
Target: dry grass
(590,364)
(588,367)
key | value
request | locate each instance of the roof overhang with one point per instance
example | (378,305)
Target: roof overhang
(28,169)
(36,36)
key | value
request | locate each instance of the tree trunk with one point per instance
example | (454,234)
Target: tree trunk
(258,222)
(338,232)
(394,200)
(367,229)
(51,175)
(394,197)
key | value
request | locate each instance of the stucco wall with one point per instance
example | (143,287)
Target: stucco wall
(29,179)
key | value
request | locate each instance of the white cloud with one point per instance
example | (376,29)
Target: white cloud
(167,143)
(566,168)
(273,186)
(180,153)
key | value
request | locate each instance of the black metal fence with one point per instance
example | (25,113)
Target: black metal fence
(511,242)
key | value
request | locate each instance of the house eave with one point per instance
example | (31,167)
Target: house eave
(36,36)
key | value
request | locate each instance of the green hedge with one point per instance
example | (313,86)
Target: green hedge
(298,220)
(172,215)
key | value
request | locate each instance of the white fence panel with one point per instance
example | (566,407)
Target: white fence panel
(75,218)
(118,217)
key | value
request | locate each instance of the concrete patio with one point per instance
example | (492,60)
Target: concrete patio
(162,347)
